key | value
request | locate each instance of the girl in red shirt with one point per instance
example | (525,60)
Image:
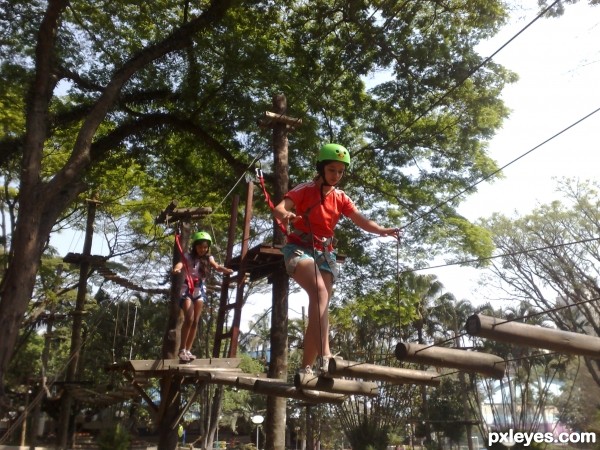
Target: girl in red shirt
(314,209)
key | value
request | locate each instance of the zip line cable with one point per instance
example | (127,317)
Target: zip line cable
(476,69)
(468,188)
(256,158)
(522,252)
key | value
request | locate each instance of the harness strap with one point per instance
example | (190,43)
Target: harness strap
(261,179)
(188,277)
(327,256)
(312,241)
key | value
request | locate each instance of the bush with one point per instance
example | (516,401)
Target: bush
(116,439)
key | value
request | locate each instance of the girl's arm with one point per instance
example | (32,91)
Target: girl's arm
(373,227)
(218,267)
(283,211)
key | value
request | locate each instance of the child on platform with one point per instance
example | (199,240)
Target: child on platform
(196,264)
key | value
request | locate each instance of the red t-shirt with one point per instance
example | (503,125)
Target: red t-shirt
(323,216)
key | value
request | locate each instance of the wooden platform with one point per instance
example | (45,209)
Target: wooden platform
(260,262)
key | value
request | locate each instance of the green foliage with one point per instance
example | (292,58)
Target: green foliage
(26,364)
(446,409)
(367,436)
(115,439)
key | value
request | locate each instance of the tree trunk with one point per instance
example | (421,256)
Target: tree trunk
(41,203)
(34,225)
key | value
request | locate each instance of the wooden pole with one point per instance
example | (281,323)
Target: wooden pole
(241,278)
(76,340)
(335,385)
(533,336)
(224,298)
(267,386)
(483,363)
(278,362)
(395,375)
(284,390)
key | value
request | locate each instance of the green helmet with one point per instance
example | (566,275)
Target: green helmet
(334,152)
(201,236)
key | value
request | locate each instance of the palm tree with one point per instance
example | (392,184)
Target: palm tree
(519,400)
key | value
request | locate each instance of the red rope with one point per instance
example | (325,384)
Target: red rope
(261,179)
(188,277)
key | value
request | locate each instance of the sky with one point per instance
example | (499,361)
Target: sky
(558,63)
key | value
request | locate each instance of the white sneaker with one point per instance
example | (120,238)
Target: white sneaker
(306,371)
(190,355)
(183,356)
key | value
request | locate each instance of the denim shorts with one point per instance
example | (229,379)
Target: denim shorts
(198,294)
(293,254)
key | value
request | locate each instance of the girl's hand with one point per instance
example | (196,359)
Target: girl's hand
(225,270)
(288,217)
(394,232)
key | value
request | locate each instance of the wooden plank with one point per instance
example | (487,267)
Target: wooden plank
(159,366)
(533,336)
(468,361)
(342,368)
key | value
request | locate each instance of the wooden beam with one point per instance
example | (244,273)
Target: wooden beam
(533,336)
(279,388)
(173,214)
(142,392)
(335,385)
(268,119)
(342,368)
(474,362)
(266,386)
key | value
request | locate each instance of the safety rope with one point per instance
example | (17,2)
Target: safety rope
(188,277)
(261,179)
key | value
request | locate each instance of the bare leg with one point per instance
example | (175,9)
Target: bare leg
(197,312)
(188,316)
(318,285)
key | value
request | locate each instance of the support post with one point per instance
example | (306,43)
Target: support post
(276,406)
(66,422)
